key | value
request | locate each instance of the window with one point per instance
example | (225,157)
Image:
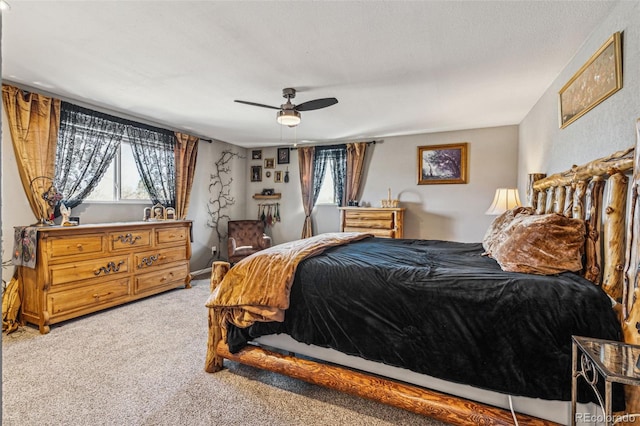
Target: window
(104,158)
(327,194)
(122,181)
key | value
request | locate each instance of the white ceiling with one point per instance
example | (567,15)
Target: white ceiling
(396,67)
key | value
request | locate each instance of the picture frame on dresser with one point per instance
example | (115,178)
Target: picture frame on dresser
(442,164)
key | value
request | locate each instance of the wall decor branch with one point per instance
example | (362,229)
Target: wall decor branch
(220,198)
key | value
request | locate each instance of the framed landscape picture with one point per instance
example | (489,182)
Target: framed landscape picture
(594,82)
(439,164)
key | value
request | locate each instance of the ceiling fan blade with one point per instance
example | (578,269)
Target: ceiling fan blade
(316,104)
(258,105)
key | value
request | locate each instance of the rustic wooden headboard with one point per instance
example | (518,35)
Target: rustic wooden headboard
(579,193)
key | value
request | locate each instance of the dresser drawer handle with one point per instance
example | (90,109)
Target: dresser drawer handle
(128,238)
(111,267)
(148,261)
(163,279)
(79,246)
(98,296)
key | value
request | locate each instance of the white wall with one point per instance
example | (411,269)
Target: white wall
(449,212)
(609,127)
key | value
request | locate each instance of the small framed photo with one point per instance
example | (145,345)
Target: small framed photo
(442,164)
(283,155)
(256,154)
(170,213)
(146,215)
(158,212)
(277,176)
(269,163)
(256,173)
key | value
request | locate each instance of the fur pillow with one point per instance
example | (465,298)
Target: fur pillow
(541,244)
(493,235)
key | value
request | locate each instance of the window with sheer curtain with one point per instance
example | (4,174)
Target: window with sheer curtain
(100,157)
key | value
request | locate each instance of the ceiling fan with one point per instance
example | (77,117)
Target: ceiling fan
(289,114)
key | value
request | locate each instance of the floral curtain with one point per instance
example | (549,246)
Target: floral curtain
(33,121)
(153,152)
(186,153)
(87,143)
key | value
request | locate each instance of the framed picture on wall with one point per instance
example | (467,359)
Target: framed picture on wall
(283,155)
(277,176)
(599,78)
(269,163)
(256,154)
(439,164)
(256,173)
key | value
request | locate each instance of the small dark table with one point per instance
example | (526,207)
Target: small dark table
(614,362)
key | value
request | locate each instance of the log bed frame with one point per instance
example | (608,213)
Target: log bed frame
(578,193)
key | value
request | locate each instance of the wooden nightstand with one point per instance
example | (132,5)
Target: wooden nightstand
(381,222)
(614,362)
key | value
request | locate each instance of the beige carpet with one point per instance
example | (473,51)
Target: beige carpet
(142,364)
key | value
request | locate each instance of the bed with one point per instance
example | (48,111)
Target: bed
(436,327)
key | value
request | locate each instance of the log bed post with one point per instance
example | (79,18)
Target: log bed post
(213,361)
(613,234)
(631,292)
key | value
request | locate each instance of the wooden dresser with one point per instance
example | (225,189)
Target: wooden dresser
(382,222)
(86,268)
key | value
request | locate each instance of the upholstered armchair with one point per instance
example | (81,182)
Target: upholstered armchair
(245,238)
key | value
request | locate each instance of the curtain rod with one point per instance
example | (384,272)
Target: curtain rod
(101,110)
(334,145)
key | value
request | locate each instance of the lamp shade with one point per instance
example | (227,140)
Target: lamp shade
(288,117)
(505,199)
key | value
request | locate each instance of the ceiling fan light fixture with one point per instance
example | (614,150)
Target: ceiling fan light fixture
(288,117)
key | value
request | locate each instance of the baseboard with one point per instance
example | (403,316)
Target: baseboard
(201,272)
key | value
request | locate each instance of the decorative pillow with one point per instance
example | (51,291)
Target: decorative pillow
(492,236)
(541,244)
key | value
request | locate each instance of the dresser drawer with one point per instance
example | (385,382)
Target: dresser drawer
(368,219)
(171,235)
(127,240)
(59,303)
(153,259)
(61,247)
(164,278)
(387,233)
(62,274)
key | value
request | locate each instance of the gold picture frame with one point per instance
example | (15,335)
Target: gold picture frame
(269,163)
(440,164)
(277,176)
(599,78)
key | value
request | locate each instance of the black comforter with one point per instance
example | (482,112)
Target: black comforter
(442,309)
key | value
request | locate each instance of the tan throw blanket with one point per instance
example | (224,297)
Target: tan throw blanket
(258,287)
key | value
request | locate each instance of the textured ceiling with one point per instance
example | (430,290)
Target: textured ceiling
(396,67)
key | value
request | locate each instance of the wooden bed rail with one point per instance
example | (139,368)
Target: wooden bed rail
(412,398)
